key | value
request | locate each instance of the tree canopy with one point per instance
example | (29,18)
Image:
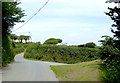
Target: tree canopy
(20,38)
(110,49)
(53,41)
(23,37)
(114,14)
(13,36)
(89,45)
(11,14)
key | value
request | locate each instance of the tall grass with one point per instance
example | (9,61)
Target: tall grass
(63,54)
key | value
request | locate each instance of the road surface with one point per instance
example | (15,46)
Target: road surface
(29,70)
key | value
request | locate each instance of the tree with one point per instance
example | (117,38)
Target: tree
(106,50)
(21,38)
(114,14)
(108,41)
(10,14)
(53,41)
(82,45)
(110,49)
(90,45)
(26,38)
(13,36)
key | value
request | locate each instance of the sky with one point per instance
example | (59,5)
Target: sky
(74,21)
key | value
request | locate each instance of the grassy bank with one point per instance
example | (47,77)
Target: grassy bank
(62,54)
(85,71)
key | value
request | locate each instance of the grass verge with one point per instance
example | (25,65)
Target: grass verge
(85,71)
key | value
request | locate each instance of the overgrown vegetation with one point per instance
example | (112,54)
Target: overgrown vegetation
(110,50)
(111,57)
(19,47)
(7,51)
(10,14)
(89,45)
(12,48)
(62,54)
(14,37)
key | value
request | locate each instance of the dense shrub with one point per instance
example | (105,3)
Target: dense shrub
(81,45)
(111,57)
(19,47)
(10,49)
(89,45)
(7,51)
(111,66)
(13,44)
(64,54)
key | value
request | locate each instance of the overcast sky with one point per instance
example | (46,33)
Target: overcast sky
(74,21)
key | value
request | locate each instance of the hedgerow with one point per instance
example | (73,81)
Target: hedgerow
(10,49)
(19,47)
(7,51)
(63,54)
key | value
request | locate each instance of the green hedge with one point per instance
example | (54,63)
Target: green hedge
(10,49)
(7,51)
(18,50)
(111,66)
(110,55)
(19,47)
(63,54)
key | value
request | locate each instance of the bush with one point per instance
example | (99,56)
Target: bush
(111,66)
(63,54)
(90,45)
(13,44)
(81,45)
(111,57)
(7,52)
(10,49)
(19,47)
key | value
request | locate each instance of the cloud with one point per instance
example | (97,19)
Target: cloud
(74,21)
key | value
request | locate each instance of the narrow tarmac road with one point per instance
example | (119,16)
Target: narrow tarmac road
(29,70)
